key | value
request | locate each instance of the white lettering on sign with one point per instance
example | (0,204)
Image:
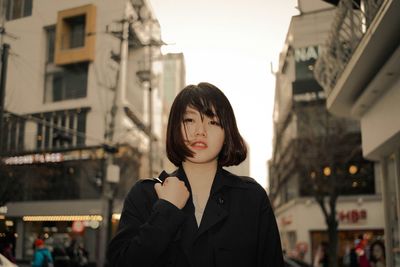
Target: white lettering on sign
(309,96)
(35,158)
(306,53)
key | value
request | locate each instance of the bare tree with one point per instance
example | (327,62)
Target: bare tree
(324,149)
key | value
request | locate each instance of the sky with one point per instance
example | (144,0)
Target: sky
(232,44)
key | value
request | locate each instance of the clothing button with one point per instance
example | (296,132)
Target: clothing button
(220,201)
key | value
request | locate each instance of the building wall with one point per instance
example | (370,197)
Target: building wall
(26,69)
(383,115)
(25,90)
(300,217)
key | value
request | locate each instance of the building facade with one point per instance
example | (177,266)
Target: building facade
(79,126)
(360,76)
(316,156)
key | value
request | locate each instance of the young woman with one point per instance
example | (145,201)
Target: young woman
(199,215)
(377,254)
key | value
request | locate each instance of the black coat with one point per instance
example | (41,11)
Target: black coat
(238,227)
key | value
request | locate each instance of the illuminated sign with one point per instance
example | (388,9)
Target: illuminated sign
(43,218)
(35,158)
(54,157)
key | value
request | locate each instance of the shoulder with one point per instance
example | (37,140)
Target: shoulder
(141,191)
(244,182)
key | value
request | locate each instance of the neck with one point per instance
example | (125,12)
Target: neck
(200,175)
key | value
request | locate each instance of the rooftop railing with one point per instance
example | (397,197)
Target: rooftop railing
(352,20)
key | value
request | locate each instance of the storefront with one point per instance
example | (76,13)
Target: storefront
(303,227)
(62,199)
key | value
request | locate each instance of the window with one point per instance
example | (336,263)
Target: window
(75,37)
(61,129)
(16,9)
(63,82)
(50,42)
(67,82)
(13,134)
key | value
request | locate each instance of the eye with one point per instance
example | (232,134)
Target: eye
(215,122)
(188,120)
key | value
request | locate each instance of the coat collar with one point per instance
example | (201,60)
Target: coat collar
(223,178)
(218,205)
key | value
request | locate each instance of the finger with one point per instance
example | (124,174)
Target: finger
(157,187)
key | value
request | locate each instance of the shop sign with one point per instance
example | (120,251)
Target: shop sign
(352,216)
(305,58)
(34,158)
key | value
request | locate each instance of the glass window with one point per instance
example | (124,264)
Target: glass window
(51,37)
(13,134)
(67,82)
(18,9)
(58,127)
(76,35)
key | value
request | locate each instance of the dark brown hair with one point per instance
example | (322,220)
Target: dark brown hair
(207,99)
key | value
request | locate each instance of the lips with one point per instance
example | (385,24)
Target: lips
(199,145)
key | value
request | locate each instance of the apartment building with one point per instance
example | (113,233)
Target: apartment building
(81,123)
(359,71)
(315,153)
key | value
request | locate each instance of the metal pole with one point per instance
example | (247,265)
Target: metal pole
(151,99)
(4,61)
(150,128)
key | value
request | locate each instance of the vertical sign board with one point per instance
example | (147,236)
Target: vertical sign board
(305,87)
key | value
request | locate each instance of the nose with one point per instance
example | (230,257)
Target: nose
(200,129)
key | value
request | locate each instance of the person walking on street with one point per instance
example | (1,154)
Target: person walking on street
(42,256)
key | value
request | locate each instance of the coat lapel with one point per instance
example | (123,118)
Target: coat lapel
(216,211)
(213,214)
(217,208)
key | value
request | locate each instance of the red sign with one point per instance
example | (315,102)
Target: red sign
(352,216)
(78,226)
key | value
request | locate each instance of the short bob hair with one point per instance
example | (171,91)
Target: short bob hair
(209,101)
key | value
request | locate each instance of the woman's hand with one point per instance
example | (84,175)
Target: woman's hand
(173,190)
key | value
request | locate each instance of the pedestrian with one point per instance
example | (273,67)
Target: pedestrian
(201,214)
(42,256)
(377,254)
(61,258)
(79,256)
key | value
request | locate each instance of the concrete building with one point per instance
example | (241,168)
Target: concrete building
(173,80)
(359,71)
(315,152)
(83,99)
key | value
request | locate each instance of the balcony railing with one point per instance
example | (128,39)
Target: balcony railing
(352,20)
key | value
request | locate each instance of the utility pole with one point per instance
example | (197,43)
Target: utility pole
(4,61)
(110,170)
(150,103)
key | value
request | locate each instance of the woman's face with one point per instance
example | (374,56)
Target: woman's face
(203,136)
(377,252)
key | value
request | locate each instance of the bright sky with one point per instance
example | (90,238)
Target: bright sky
(232,44)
